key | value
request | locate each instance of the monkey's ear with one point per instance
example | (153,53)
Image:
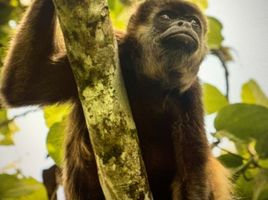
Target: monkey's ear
(119,35)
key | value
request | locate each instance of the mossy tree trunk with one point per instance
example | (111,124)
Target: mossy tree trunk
(92,51)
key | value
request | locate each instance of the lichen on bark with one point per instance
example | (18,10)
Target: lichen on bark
(92,51)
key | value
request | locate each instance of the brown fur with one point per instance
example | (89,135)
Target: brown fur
(167,111)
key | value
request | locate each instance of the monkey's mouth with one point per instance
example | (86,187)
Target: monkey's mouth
(176,39)
(182,34)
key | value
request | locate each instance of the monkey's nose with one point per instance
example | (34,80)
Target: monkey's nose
(180,23)
(184,23)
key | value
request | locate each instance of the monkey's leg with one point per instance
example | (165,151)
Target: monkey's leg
(29,76)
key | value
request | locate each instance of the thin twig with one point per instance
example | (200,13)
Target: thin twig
(243,169)
(6,122)
(219,54)
(233,154)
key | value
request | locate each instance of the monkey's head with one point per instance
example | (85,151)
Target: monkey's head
(171,35)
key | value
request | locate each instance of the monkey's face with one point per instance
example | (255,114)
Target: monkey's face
(176,30)
(172,36)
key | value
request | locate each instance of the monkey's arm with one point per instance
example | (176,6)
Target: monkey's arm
(29,75)
(191,148)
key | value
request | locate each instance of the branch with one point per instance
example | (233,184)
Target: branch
(92,51)
(6,122)
(219,54)
(250,162)
(242,169)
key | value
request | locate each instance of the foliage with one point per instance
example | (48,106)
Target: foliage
(55,116)
(213,99)
(10,13)
(13,187)
(253,94)
(7,129)
(243,124)
(203,4)
(215,37)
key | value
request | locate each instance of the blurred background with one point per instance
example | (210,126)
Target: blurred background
(235,84)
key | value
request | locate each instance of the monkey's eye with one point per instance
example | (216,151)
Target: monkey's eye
(194,21)
(167,15)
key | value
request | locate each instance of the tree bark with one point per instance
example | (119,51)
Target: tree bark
(92,51)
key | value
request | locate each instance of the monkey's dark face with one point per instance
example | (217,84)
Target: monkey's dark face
(172,36)
(178,30)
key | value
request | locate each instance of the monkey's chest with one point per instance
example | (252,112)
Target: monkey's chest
(157,150)
(154,130)
(160,166)
(159,159)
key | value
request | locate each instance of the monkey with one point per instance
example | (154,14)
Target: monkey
(160,55)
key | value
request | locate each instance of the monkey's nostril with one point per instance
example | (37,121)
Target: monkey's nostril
(180,23)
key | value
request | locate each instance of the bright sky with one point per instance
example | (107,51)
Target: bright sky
(246,31)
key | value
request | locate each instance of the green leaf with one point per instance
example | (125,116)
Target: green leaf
(55,140)
(243,120)
(203,4)
(241,146)
(14,3)
(56,113)
(230,160)
(263,163)
(261,146)
(116,7)
(111,4)
(55,117)
(119,15)
(213,99)
(253,94)
(7,129)
(244,188)
(264,193)
(260,184)
(215,37)
(14,188)
(5,13)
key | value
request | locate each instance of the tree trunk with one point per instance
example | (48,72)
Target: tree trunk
(92,51)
